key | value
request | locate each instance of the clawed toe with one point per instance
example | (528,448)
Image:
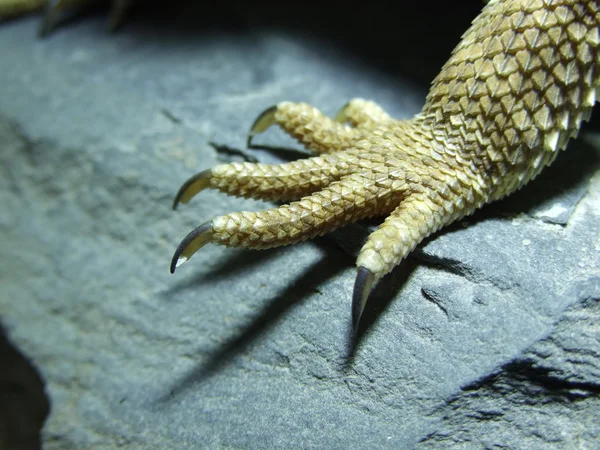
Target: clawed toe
(191,187)
(262,122)
(362,113)
(307,125)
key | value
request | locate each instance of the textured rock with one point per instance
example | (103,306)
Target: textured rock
(546,397)
(485,337)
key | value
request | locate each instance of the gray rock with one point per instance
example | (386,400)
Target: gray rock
(252,349)
(545,398)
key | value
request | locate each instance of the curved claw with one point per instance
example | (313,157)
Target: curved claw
(192,186)
(342,116)
(362,289)
(264,120)
(191,244)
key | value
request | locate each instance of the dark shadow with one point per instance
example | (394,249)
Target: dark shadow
(273,311)
(24,404)
(411,39)
(352,237)
(284,153)
(230,153)
(236,261)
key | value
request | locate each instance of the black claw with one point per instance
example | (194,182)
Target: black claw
(178,197)
(257,126)
(262,115)
(198,179)
(362,289)
(188,247)
(176,256)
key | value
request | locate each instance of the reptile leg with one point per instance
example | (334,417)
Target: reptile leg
(514,91)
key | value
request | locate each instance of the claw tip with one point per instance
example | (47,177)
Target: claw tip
(177,261)
(362,289)
(177,201)
(262,122)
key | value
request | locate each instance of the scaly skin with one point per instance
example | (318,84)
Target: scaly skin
(513,92)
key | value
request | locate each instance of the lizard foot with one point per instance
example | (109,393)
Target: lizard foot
(514,91)
(375,167)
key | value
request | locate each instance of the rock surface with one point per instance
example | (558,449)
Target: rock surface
(488,335)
